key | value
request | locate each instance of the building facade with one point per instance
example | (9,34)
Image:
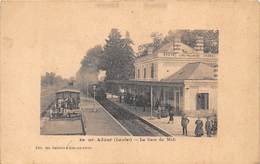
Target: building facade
(170,58)
(177,75)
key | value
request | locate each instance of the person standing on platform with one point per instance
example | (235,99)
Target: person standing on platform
(157,104)
(184,123)
(120,98)
(214,126)
(158,108)
(51,114)
(208,127)
(171,114)
(199,128)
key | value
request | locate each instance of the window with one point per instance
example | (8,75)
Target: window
(138,73)
(203,101)
(152,71)
(144,73)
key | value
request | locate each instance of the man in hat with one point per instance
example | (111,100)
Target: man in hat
(184,123)
(171,114)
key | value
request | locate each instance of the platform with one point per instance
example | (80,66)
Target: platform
(174,129)
(98,122)
(61,127)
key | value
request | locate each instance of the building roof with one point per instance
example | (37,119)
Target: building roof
(69,88)
(169,47)
(193,71)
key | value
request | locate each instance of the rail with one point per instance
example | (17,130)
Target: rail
(134,124)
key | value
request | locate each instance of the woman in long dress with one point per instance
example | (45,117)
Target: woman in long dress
(199,128)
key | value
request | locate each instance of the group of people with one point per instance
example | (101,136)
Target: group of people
(168,110)
(62,105)
(136,100)
(67,103)
(210,126)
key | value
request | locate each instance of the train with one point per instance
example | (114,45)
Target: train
(100,91)
(67,104)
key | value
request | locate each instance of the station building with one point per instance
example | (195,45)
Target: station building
(178,75)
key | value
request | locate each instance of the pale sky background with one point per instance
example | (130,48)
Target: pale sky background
(52,37)
(74,30)
(63,32)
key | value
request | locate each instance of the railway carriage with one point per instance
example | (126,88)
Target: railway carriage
(67,104)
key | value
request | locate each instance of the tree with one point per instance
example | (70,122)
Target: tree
(189,37)
(91,60)
(118,59)
(51,79)
(88,72)
(157,40)
(155,44)
(128,52)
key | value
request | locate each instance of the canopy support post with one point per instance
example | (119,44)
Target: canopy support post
(151,101)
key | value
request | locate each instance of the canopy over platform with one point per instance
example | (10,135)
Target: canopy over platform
(69,89)
(146,83)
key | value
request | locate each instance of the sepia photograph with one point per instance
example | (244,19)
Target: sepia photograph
(129,82)
(165,87)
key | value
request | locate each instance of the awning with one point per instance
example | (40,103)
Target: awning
(145,83)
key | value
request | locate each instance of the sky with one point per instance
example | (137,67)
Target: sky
(69,32)
(61,33)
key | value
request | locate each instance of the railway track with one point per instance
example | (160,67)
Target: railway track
(135,125)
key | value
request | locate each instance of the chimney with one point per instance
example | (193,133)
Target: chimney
(150,50)
(199,47)
(176,45)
